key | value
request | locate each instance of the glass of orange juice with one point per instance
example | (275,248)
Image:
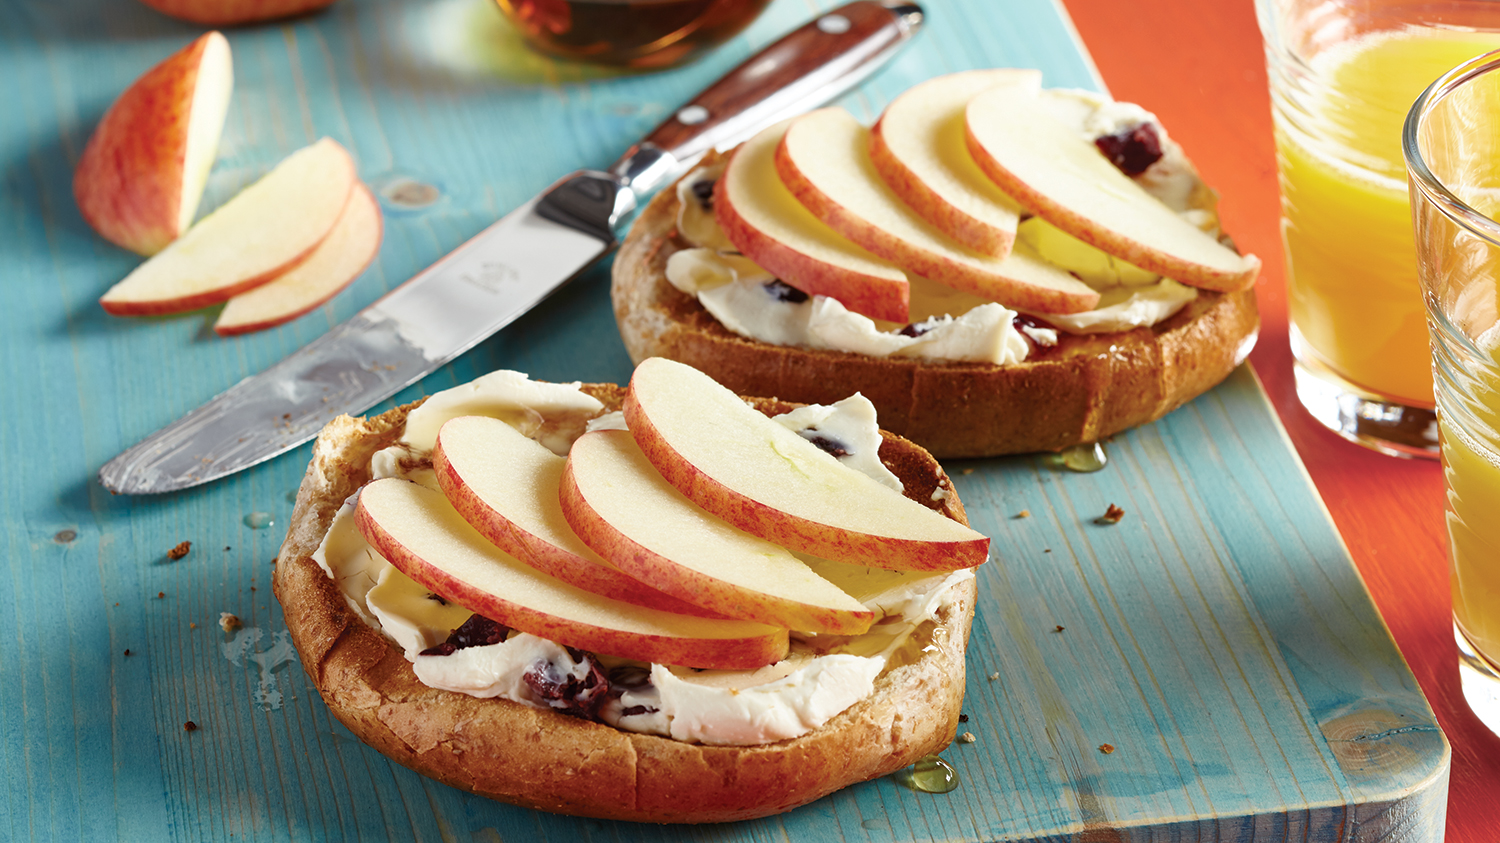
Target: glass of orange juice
(1343,75)
(1452,147)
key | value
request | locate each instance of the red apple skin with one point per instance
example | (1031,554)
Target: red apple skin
(547,557)
(360,192)
(786,529)
(975,233)
(1118,245)
(651,567)
(230,12)
(725,654)
(877,298)
(128,182)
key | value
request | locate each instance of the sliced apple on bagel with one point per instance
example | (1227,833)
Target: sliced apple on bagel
(824,161)
(1062,178)
(266,229)
(142,172)
(770,482)
(506,486)
(425,537)
(769,226)
(333,265)
(618,503)
(918,148)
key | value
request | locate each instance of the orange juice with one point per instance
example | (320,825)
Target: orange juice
(1473,474)
(1352,291)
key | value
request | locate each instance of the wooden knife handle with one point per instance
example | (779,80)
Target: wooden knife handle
(807,68)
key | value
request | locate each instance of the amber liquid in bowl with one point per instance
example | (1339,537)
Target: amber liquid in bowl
(631,33)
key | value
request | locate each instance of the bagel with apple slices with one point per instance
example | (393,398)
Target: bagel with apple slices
(443,534)
(884,254)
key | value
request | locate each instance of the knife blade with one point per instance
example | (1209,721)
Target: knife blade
(509,267)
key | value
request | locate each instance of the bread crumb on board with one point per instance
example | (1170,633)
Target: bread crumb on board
(967,737)
(1111,515)
(1106,748)
(179,551)
(229,621)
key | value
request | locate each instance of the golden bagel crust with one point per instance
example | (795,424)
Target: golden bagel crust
(545,760)
(1084,389)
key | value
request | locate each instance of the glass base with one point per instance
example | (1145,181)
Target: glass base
(1480,680)
(1363,418)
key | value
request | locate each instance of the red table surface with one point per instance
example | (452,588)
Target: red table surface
(1200,67)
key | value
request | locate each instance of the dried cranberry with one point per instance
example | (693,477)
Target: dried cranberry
(1132,150)
(782,291)
(916,329)
(477,631)
(825,444)
(564,692)
(633,710)
(1021,321)
(703,191)
(630,677)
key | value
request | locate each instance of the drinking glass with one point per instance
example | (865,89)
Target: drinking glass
(631,33)
(1343,74)
(1451,143)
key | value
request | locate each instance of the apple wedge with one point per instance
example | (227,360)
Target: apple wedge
(506,486)
(770,482)
(333,265)
(824,160)
(1065,180)
(768,225)
(424,536)
(228,12)
(622,508)
(143,169)
(918,148)
(263,231)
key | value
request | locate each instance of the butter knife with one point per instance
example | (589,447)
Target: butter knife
(508,268)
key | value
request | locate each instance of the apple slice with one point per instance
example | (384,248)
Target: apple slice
(765,479)
(227,12)
(766,223)
(823,160)
(1064,179)
(620,506)
(424,536)
(142,172)
(265,230)
(506,486)
(918,148)
(333,265)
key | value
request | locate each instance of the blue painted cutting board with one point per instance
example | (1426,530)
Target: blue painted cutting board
(1218,637)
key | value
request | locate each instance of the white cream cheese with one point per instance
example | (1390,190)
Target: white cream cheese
(821,677)
(849,428)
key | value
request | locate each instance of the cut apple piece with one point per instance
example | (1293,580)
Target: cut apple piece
(765,479)
(823,159)
(142,172)
(506,486)
(1064,179)
(333,265)
(618,503)
(424,536)
(228,12)
(918,148)
(265,230)
(766,223)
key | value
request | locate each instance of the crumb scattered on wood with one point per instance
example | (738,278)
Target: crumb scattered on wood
(967,471)
(963,718)
(179,551)
(967,737)
(190,726)
(1025,513)
(127,652)
(160,595)
(1111,515)
(192,626)
(994,676)
(1058,628)
(229,621)
(1106,748)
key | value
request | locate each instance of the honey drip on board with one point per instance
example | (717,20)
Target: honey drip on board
(929,775)
(259,520)
(1085,459)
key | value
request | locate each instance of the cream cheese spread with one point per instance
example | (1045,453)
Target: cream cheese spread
(822,676)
